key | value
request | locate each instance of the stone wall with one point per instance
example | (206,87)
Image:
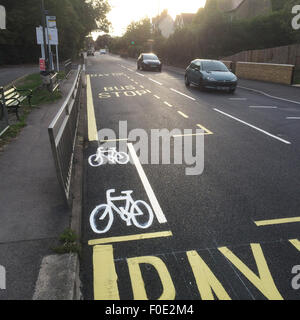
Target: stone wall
(265,72)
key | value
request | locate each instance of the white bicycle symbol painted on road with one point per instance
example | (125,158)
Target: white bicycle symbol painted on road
(137,212)
(111,154)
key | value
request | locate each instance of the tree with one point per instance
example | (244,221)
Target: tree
(75,20)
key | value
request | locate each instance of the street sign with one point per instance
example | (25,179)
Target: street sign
(39,35)
(51,21)
(42,64)
(2,18)
(52,36)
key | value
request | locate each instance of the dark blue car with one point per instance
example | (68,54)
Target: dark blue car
(211,74)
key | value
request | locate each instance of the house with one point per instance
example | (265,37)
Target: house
(184,19)
(245,9)
(2,18)
(164,24)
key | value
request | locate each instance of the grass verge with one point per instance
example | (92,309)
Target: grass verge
(69,244)
(40,96)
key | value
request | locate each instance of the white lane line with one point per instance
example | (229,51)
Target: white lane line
(142,87)
(130,70)
(253,127)
(150,193)
(148,91)
(262,107)
(140,74)
(157,97)
(268,95)
(168,104)
(155,81)
(183,114)
(183,94)
(136,83)
(238,99)
(292,118)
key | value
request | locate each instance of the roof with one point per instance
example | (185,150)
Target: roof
(229,5)
(187,17)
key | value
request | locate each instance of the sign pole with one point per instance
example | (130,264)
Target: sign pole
(44,36)
(57,60)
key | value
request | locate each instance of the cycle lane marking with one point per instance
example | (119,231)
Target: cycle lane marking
(276,221)
(92,126)
(150,193)
(134,237)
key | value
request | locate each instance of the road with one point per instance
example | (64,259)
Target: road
(214,235)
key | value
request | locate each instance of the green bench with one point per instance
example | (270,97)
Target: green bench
(12,98)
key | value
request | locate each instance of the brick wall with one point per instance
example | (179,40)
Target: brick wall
(265,72)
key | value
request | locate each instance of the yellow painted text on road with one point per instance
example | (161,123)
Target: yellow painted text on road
(105,276)
(296,244)
(207,282)
(137,282)
(264,282)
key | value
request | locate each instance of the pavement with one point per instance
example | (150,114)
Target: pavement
(231,232)
(33,211)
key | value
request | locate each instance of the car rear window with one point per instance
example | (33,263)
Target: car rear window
(150,57)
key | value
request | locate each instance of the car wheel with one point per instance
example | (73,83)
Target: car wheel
(187,81)
(232,91)
(159,69)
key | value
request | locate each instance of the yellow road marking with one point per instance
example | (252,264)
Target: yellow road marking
(189,135)
(203,128)
(207,282)
(296,244)
(183,114)
(138,284)
(105,275)
(264,281)
(276,221)
(131,238)
(92,127)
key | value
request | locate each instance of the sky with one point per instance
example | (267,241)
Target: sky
(125,11)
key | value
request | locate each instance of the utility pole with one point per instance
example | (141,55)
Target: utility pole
(44,37)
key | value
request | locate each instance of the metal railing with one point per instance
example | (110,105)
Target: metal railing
(67,67)
(62,133)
